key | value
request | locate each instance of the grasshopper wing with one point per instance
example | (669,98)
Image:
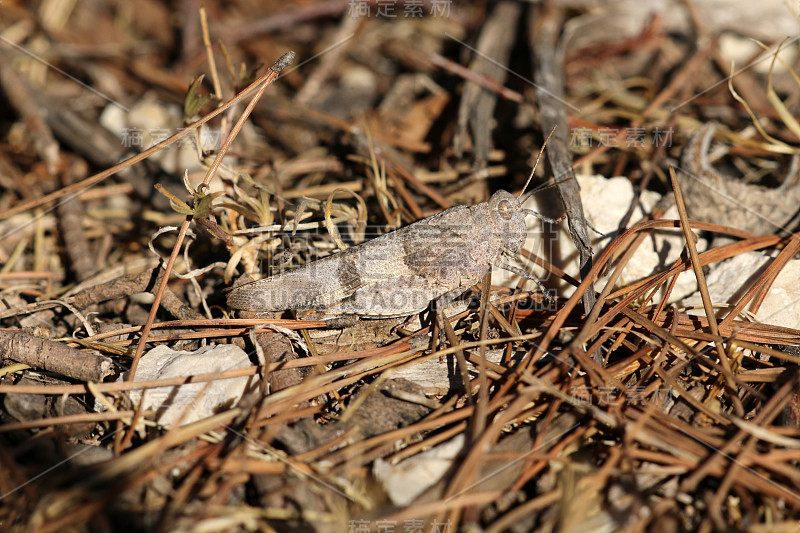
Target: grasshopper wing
(394,275)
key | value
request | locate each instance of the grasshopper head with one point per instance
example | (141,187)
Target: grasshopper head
(508,219)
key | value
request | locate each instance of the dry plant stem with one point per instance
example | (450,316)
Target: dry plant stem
(174,437)
(4,276)
(306,113)
(479,420)
(675,341)
(707,257)
(563,276)
(486,82)
(126,286)
(444,323)
(748,85)
(701,283)
(477,105)
(214,322)
(511,329)
(54,356)
(544,23)
(133,474)
(117,386)
(19,95)
(673,281)
(412,205)
(186,334)
(340,377)
(67,419)
(728,482)
(747,332)
(429,442)
(70,212)
(212,65)
(145,472)
(546,443)
(182,493)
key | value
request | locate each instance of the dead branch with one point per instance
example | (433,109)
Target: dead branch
(54,356)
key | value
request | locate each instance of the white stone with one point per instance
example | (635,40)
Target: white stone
(729,280)
(407,480)
(197,400)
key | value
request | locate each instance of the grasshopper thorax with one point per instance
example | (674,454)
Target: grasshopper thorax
(507,218)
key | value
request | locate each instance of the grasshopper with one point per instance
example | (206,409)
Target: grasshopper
(400,273)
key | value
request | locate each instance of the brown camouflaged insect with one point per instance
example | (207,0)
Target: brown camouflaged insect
(398,274)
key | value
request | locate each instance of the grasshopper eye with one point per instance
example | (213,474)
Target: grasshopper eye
(505,209)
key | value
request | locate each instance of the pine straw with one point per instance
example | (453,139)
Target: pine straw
(608,437)
(686,422)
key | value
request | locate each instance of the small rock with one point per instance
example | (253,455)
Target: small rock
(407,480)
(196,400)
(729,280)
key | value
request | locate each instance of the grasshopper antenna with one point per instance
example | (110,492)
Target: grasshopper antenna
(536,164)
